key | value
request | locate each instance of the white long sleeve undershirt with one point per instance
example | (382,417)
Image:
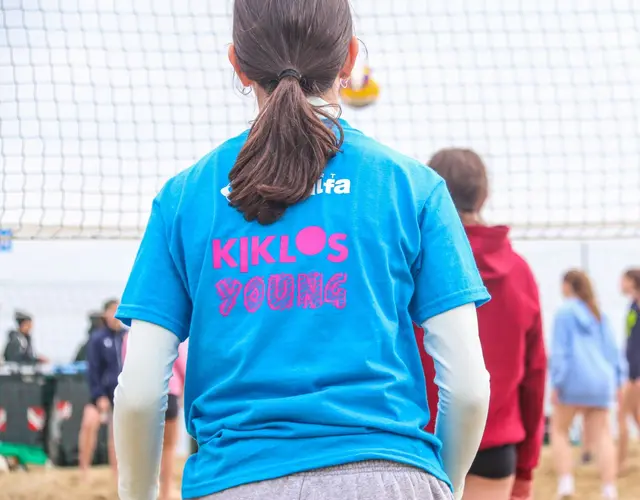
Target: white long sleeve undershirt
(453,341)
(141,396)
(139,410)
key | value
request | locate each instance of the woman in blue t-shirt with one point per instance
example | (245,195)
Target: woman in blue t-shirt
(295,257)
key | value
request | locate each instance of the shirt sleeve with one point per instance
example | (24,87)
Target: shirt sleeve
(12,352)
(156,291)
(560,348)
(445,273)
(532,396)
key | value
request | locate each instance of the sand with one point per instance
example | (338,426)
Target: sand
(65,484)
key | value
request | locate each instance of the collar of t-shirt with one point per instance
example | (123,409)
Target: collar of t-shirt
(319,102)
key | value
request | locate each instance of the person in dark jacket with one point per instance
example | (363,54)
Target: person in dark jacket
(104,363)
(630,403)
(96,322)
(512,342)
(19,348)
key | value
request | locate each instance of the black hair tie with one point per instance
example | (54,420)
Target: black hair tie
(289,73)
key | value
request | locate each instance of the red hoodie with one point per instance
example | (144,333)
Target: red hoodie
(513,346)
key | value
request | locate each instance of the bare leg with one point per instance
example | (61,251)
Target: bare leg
(168,459)
(88,438)
(480,488)
(111,449)
(634,401)
(625,408)
(561,447)
(587,445)
(597,420)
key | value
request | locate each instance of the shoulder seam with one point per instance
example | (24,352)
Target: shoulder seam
(428,197)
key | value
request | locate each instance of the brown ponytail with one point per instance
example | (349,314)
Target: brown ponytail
(292,49)
(581,287)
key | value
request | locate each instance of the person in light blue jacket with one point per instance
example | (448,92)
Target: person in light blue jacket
(587,373)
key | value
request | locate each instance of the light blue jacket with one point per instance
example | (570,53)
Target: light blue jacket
(587,367)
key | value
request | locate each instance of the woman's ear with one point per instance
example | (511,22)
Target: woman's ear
(236,67)
(352,56)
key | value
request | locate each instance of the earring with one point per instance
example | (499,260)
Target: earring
(344,82)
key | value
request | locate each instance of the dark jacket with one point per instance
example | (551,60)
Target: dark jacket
(19,349)
(633,341)
(81,355)
(104,362)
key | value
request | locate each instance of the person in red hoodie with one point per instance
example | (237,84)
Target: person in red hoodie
(512,342)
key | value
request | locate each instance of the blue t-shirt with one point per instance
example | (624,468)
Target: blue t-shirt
(301,348)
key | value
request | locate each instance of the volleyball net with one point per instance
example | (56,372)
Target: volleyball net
(101,102)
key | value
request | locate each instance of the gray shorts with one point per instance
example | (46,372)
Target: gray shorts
(371,480)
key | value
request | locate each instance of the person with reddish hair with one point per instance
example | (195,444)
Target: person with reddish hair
(512,341)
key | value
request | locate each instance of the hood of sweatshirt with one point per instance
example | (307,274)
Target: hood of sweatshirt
(492,250)
(587,321)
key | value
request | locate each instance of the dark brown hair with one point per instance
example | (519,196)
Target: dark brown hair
(96,321)
(581,286)
(466,176)
(633,275)
(21,317)
(292,49)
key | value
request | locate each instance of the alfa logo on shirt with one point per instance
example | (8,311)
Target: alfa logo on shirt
(326,185)
(283,290)
(330,185)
